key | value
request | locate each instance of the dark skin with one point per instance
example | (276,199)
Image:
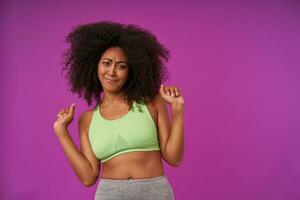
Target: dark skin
(134,164)
(112,73)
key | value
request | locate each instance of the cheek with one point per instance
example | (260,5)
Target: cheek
(125,75)
(100,69)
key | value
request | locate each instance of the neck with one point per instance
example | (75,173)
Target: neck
(113,98)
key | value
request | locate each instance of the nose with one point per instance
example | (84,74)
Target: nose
(112,69)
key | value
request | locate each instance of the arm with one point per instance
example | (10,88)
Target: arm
(84,164)
(175,143)
(171,137)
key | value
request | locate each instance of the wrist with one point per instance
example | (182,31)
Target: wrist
(177,107)
(60,130)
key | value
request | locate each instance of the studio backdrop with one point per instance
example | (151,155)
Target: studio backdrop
(238,65)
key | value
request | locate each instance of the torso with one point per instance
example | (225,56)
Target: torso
(134,165)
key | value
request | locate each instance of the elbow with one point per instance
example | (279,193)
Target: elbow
(89,182)
(173,161)
(175,164)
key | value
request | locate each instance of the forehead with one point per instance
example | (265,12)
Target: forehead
(115,53)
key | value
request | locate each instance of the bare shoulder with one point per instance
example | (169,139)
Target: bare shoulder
(85,120)
(151,103)
(152,110)
(159,103)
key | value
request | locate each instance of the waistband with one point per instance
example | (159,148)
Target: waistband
(157,178)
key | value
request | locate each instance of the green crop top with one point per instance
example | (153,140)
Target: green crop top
(135,131)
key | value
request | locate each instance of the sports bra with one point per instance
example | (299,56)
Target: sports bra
(135,131)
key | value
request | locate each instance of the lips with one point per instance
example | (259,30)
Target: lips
(110,80)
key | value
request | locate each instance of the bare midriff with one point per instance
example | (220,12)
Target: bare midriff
(133,165)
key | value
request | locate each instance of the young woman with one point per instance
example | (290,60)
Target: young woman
(128,131)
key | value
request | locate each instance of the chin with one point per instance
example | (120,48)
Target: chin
(112,89)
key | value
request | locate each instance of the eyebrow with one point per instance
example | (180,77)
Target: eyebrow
(117,62)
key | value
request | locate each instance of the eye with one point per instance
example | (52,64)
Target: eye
(122,66)
(105,63)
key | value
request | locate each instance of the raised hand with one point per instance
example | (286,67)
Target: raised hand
(172,95)
(64,117)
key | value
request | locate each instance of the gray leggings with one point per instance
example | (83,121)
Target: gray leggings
(156,188)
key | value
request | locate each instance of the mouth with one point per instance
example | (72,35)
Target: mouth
(110,80)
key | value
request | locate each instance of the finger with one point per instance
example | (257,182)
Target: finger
(162,93)
(72,108)
(61,111)
(172,89)
(167,90)
(177,91)
(68,109)
(162,89)
(64,110)
(59,116)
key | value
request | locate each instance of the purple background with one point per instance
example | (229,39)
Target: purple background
(238,67)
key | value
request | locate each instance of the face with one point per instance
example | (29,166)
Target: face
(113,69)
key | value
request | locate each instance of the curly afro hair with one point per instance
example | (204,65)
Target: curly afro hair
(145,54)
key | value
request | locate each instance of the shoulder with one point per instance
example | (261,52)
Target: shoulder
(158,103)
(85,119)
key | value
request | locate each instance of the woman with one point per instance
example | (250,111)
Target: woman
(128,131)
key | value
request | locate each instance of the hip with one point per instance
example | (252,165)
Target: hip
(156,188)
